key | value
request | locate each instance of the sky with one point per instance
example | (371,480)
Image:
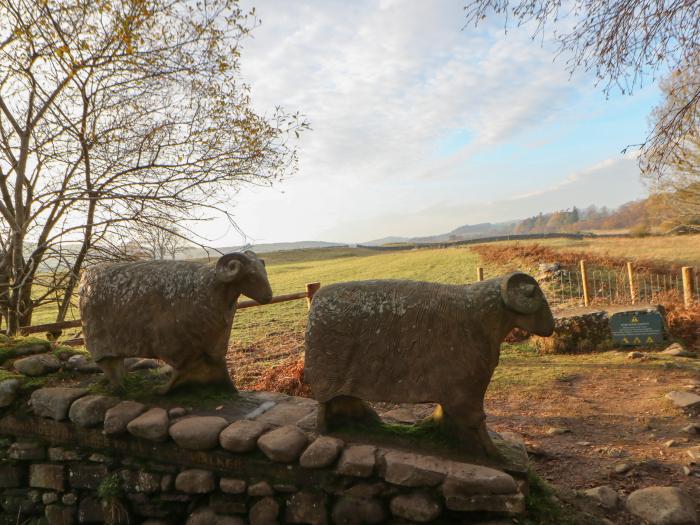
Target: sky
(420,126)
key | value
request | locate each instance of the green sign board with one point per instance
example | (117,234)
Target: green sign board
(637,328)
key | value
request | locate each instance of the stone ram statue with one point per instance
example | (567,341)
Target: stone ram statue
(417,342)
(177,311)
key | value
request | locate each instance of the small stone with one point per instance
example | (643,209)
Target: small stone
(606,496)
(46,476)
(306,507)
(635,355)
(69,499)
(96,457)
(623,468)
(663,506)
(151,425)
(47,498)
(264,512)
(8,391)
(242,435)
(557,431)
(37,365)
(684,400)
(283,444)
(584,443)
(120,415)
(694,453)
(321,453)
(357,511)
(358,461)
(89,411)
(418,507)
(195,481)
(167,482)
(198,433)
(54,402)
(693,428)
(177,412)
(678,350)
(82,363)
(26,450)
(261,488)
(687,470)
(232,486)
(670,443)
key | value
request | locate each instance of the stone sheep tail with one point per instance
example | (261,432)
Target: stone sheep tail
(178,311)
(417,342)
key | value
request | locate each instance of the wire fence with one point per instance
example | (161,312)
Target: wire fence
(565,287)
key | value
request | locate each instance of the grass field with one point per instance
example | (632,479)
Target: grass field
(679,250)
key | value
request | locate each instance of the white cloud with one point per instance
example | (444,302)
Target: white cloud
(400,101)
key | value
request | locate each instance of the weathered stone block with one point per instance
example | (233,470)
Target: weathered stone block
(54,402)
(119,416)
(198,433)
(152,425)
(147,482)
(242,435)
(466,479)
(585,333)
(283,444)
(321,453)
(37,365)
(232,486)
(412,470)
(8,391)
(307,507)
(662,506)
(417,507)
(357,511)
(195,481)
(47,476)
(26,450)
(62,454)
(264,512)
(86,476)
(259,489)
(89,411)
(358,461)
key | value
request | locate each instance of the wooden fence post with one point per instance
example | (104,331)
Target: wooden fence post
(687,273)
(479,273)
(630,276)
(311,289)
(584,283)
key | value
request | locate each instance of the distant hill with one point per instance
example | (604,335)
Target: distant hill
(198,253)
(466,232)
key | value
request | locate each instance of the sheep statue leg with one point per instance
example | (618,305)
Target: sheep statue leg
(115,372)
(341,409)
(205,370)
(469,427)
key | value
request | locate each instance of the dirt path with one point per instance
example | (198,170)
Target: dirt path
(614,417)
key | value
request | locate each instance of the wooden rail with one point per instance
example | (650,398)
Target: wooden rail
(55,329)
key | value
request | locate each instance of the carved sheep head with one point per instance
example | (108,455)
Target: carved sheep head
(523,296)
(246,273)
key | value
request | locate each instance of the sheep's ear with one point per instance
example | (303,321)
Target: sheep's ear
(230,267)
(520,293)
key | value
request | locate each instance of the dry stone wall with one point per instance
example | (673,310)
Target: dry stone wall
(73,457)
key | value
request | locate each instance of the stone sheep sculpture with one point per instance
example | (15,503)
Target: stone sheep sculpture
(178,311)
(417,342)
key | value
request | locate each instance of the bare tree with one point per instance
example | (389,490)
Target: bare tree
(623,42)
(159,238)
(676,180)
(112,112)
